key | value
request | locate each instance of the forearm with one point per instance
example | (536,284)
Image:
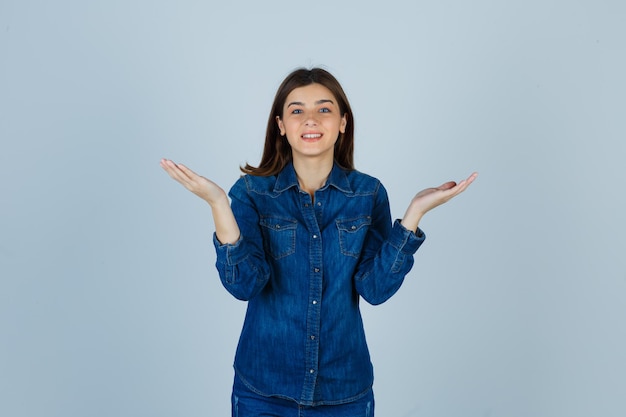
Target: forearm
(382,272)
(238,241)
(242,268)
(412,218)
(226,227)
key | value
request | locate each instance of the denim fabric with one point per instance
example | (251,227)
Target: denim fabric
(302,264)
(247,403)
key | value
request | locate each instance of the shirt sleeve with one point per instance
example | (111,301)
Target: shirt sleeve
(242,266)
(387,254)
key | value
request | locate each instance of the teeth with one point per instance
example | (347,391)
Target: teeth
(312,136)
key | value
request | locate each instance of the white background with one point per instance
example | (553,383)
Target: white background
(109,301)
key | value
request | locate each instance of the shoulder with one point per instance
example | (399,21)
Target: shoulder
(362,183)
(253,184)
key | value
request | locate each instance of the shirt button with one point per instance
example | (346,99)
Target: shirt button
(319,204)
(306,205)
(316,270)
(312,371)
(314,236)
(314,302)
(312,337)
(353,228)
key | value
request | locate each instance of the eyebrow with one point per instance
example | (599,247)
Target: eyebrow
(318,102)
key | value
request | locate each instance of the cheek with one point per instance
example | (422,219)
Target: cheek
(290,128)
(291,141)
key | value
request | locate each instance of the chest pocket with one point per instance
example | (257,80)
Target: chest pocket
(352,234)
(279,236)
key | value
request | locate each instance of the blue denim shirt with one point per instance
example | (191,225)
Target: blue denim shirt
(302,264)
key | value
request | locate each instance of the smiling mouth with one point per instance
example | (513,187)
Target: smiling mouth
(312,136)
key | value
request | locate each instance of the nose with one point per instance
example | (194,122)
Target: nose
(311,119)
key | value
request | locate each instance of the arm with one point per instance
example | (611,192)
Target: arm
(226,227)
(240,258)
(387,254)
(242,266)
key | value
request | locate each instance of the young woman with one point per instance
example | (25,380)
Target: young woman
(304,237)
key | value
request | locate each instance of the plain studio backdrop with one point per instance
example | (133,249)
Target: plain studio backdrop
(110,304)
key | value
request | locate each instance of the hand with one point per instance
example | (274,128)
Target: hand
(428,199)
(200,186)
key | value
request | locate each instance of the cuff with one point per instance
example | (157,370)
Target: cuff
(405,240)
(230,253)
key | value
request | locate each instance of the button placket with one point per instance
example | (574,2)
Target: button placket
(311,212)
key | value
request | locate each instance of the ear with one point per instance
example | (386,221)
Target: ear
(343,124)
(281,126)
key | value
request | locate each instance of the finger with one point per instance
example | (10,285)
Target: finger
(472,177)
(462,186)
(469,180)
(188,172)
(166,164)
(183,172)
(171,168)
(447,185)
(175,172)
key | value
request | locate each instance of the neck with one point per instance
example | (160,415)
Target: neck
(312,175)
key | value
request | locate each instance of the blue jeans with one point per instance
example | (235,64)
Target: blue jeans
(247,403)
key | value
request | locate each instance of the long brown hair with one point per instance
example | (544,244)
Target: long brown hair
(277,151)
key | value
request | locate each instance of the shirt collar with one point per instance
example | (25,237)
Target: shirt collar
(287,178)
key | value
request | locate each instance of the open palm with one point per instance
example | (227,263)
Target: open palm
(197,184)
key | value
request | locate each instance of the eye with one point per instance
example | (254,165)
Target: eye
(296,111)
(324,110)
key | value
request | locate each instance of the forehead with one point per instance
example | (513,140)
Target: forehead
(309,94)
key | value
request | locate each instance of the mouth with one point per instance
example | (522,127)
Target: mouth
(311,136)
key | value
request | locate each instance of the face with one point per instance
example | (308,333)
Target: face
(312,122)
